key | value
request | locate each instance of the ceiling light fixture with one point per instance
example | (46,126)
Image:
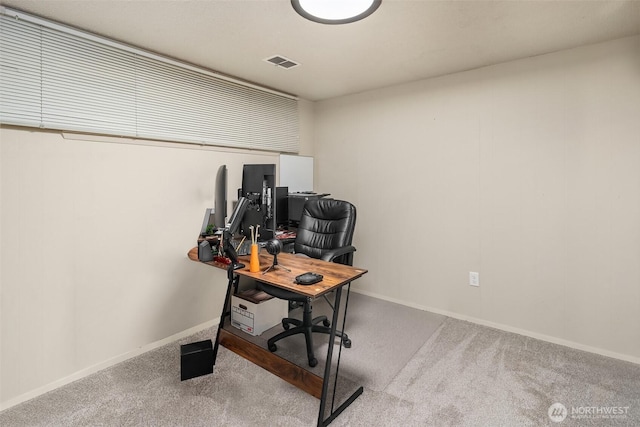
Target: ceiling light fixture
(335,11)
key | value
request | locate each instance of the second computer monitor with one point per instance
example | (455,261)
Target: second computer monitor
(258,185)
(237,216)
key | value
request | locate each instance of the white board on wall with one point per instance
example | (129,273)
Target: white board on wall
(296,172)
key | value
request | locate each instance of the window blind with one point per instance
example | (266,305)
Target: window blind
(87,86)
(20,76)
(57,79)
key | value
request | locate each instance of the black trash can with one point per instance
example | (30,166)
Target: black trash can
(196,359)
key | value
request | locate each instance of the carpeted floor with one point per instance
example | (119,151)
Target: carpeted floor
(455,374)
(377,328)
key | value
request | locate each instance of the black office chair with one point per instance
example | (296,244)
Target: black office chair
(325,232)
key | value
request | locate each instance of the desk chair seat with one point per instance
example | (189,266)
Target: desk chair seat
(325,232)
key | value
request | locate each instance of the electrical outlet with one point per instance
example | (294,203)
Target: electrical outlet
(474,278)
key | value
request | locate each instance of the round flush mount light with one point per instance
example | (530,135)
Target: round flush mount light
(335,11)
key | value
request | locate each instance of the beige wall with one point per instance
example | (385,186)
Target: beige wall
(306,112)
(527,172)
(94,235)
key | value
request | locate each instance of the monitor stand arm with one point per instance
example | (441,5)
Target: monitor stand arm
(228,249)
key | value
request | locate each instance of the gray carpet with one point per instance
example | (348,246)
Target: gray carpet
(461,375)
(377,328)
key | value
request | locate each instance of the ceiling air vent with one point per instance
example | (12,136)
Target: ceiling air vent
(281,61)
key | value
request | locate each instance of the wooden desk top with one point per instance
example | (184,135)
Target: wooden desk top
(335,275)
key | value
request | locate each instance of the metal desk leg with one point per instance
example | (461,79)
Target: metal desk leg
(232,283)
(327,368)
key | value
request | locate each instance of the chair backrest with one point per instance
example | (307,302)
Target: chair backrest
(325,224)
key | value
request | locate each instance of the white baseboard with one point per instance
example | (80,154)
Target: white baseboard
(507,328)
(105,364)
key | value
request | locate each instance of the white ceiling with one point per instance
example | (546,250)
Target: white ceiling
(402,41)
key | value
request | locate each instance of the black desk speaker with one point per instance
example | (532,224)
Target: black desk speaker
(204,251)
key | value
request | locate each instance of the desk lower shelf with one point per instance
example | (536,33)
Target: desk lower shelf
(288,371)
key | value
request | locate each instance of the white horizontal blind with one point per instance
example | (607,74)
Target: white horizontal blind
(60,80)
(87,86)
(20,79)
(183,104)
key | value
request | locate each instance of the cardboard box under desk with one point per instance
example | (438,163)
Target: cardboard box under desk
(254,311)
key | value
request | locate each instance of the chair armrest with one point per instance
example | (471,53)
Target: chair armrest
(332,254)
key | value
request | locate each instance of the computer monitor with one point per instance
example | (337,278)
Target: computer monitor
(230,230)
(235,220)
(282,206)
(220,199)
(258,185)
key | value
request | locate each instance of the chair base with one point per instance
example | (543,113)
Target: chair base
(307,327)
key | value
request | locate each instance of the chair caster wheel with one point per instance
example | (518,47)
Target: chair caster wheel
(326,323)
(286,326)
(272,348)
(347,343)
(313,362)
